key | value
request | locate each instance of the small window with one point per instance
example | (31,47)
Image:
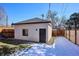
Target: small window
(25,32)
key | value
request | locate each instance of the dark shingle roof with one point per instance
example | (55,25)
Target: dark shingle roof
(32,21)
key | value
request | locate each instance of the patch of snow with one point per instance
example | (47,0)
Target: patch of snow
(54,45)
(61,47)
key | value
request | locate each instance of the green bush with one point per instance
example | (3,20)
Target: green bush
(1,50)
(7,49)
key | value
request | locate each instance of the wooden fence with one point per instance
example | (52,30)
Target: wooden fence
(8,33)
(71,36)
(58,32)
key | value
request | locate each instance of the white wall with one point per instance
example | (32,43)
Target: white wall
(33,35)
(49,33)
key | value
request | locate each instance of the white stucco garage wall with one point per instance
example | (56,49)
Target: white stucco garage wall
(33,35)
(49,33)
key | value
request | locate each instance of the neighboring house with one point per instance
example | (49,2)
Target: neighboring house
(34,29)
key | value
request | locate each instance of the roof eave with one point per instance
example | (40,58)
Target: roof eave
(30,23)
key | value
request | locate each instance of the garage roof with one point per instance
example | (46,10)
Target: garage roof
(32,21)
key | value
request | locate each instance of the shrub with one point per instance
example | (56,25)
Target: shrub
(7,50)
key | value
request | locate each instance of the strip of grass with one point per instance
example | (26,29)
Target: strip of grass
(7,49)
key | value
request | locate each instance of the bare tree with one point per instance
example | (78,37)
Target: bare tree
(52,16)
(63,21)
(3,17)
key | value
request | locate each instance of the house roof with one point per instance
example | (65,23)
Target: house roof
(32,21)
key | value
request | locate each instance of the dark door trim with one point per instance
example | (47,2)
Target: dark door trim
(42,35)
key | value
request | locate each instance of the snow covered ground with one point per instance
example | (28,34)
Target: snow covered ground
(61,47)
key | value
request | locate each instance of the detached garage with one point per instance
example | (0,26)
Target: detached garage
(34,29)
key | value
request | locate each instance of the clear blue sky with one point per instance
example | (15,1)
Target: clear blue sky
(22,11)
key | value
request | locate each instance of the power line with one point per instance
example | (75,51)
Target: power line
(6,20)
(64,9)
(49,5)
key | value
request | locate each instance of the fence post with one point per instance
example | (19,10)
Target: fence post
(75,32)
(69,31)
(66,32)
